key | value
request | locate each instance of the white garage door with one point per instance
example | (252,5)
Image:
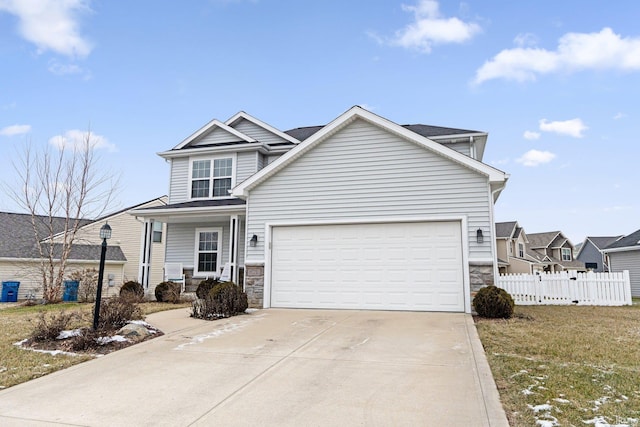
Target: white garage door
(392,266)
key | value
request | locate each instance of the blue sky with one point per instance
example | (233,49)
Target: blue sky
(555,84)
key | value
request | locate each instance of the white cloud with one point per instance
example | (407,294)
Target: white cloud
(430,28)
(573,127)
(575,52)
(535,158)
(62,69)
(530,135)
(525,39)
(619,116)
(51,24)
(15,130)
(75,139)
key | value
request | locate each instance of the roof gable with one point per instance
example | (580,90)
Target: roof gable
(505,230)
(208,129)
(630,241)
(542,240)
(240,116)
(494,175)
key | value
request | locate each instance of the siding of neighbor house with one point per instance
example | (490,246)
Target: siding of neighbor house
(27,273)
(629,260)
(181,242)
(127,233)
(365,172)
(589,253)
(246,165)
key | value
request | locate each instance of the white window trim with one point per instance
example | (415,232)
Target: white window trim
(196,251)
(234,162)
(563,251)
(520,252)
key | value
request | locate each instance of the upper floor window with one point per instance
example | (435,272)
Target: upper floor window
(520,250)
(566,254)
(211,178)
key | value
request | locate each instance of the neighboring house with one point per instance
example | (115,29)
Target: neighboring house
(591,253)
(513,252)
(553,250)
(624,254)
(361,213)
(20,257)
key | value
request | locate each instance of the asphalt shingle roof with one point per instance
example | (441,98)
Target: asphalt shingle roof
(632,239)
(428,131)
(541,240)
(504,229)
(602,242)
(17,239)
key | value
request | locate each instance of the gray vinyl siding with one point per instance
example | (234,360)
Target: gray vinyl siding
(216,136)
(246,165)
(365,172)
(258,133)
(261,161)
(181,242)
(179,180)
(590,253)
(272,158)
(629,260)
(460,147)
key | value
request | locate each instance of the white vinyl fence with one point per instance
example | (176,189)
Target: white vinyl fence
(565,289)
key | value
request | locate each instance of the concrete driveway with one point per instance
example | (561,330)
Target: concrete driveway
(276,368)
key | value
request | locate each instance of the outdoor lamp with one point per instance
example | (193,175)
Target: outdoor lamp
(479,236)
(105,233)
(254,241)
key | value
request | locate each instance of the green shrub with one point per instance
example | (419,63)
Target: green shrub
(168,292)
(117,312)
(133,291)
(226,299)
(205,287)
(494,303)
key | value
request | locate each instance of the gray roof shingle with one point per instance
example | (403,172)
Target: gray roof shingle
(504,230)
(602,242)
(17,239)
(630,240)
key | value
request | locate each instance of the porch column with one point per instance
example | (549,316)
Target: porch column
(144,269)
(233,247)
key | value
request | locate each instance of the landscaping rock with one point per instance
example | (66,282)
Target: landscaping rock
(134,332)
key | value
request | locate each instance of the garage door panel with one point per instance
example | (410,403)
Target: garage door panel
(395,266)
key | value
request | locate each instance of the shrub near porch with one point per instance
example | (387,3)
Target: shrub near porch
(566,365)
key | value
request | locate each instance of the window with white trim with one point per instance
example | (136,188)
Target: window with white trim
(566,254)
(520,250)
(156,237)
(208,251)
(211,177)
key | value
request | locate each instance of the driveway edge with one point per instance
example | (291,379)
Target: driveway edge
(495,412)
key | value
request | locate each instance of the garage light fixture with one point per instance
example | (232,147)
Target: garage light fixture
(479,236)
(254,241)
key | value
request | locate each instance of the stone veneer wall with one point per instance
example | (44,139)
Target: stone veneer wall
(480,275)
(254,285)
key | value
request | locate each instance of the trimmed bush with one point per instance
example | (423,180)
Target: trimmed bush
(168,292)
(133,291)
(205,287)
(117,312)
(494,303)
(226,299)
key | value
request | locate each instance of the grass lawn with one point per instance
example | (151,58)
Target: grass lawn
(18,365)
(567,365)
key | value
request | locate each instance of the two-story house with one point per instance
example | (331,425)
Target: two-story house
(624,254)
(361,213)
(513,252)
(555,251)
(591,252)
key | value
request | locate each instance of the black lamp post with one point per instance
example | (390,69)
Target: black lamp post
(105,233)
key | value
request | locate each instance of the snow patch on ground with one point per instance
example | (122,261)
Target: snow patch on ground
(114,338)
(602,422)
(69,334)
(251,310)
(537,408)
(228,328)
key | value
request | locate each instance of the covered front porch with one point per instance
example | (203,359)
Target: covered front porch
(201,239)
